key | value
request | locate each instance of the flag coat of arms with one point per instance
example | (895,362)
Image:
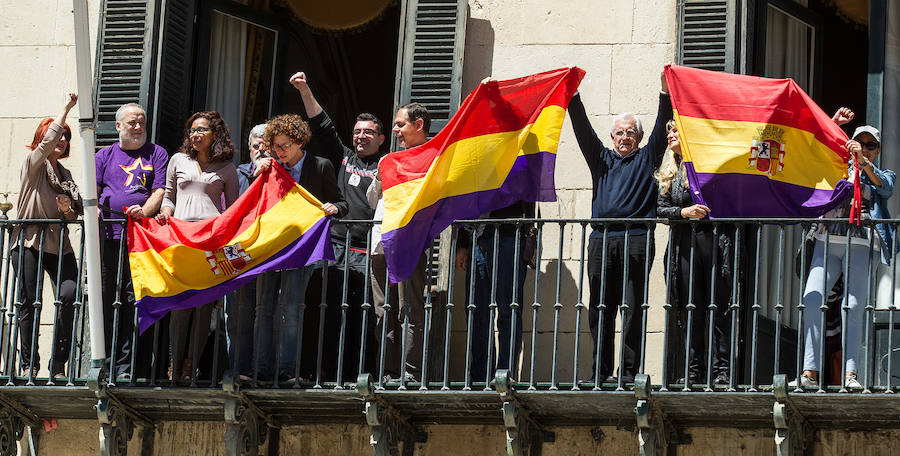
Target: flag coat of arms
(274,225)
(756,147)
(499,148)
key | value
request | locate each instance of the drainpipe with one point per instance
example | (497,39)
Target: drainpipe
(86,125)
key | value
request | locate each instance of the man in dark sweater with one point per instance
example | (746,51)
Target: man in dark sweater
(355,168)
(623,187)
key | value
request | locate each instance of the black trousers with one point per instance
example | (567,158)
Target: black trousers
(128,343)
(26,281)
(617,289)
(705,246)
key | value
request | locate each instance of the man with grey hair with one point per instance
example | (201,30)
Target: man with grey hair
(240,304)
(623,187)
(256,145)
(131,179)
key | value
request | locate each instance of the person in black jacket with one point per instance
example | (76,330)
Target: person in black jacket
(712,251)
(355,167)
(286,136)
(623,187)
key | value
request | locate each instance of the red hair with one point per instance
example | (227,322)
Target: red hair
(42,131)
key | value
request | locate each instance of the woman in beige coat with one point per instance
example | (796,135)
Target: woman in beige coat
(47,192)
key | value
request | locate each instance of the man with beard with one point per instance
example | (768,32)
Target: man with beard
(355,169)
(131,178)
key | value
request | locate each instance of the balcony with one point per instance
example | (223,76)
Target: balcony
(339,373)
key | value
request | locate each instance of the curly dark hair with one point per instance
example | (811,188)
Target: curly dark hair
(291,125)
(222,148)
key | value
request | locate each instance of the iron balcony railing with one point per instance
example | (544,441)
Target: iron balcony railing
(340,338)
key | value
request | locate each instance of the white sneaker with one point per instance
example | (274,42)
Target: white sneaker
(852,382)
(805,382)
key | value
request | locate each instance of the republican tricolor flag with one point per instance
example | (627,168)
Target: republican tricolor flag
(274,225)
(499,148)
(756,147)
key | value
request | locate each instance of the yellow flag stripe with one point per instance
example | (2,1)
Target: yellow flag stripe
(472,165)
(723,146)
(180,268)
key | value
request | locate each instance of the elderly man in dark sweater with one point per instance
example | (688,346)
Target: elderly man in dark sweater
(355,167)
(623,187)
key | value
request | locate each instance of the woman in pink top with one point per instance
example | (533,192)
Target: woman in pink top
(47,192)
(201,182)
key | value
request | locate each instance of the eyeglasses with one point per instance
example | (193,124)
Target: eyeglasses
(364,132)
(257,146)
(282,146)
(629,133)
(200,130)
(869,145)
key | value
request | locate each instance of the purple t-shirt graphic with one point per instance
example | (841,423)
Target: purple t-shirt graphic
(127,177)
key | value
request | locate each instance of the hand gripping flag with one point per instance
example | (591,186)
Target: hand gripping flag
(499,148)
(274,225)
(756,147)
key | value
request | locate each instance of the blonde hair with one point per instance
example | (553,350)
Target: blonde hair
(669,168)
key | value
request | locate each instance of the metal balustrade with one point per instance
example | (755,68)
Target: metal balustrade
(337,338)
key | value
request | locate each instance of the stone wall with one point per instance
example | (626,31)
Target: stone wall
(79,437)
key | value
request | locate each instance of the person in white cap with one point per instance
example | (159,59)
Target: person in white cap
(877,186)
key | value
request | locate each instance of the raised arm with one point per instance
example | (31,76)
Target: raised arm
(585,135)
(51,138)
(656,144)
(323,129)
(299,81)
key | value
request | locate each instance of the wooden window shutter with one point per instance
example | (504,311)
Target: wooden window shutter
(430,59)
(124,62)
(173,97)
(707,34)
(429,66)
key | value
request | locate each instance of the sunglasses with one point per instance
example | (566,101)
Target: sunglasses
(869,145)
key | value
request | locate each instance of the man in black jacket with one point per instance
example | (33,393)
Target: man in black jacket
(623,187)
(286,136)
(355,167)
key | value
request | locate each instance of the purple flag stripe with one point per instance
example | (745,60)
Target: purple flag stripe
(749,195)
(529,179)
(311,246)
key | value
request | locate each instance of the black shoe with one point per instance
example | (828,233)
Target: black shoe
(722,378)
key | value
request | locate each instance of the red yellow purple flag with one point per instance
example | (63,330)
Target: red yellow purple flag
(274,225)
(756,147)
(499,148)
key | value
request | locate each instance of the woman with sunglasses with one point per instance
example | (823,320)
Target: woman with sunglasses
(877,186)
(201,182)
(48,191)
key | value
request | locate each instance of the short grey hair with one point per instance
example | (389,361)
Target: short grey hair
(120,113)
(627,116)
(257,132)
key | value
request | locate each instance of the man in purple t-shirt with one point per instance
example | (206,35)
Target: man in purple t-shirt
(131,178)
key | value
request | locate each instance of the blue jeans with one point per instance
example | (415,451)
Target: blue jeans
(482,327)
(285,290)
(240,316)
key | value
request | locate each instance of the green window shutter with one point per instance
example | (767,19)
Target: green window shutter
(124,61)
(430,59)
(173,97)
(429,65)
(706,34)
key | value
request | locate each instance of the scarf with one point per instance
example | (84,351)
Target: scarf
(66,185)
